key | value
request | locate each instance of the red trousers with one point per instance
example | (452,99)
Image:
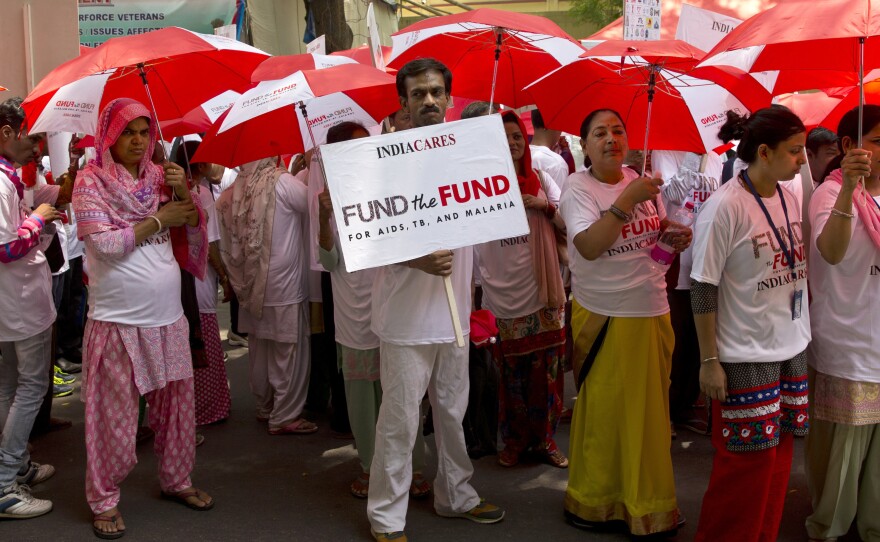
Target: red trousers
(746,491)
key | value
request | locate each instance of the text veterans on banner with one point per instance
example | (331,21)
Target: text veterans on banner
(402,195)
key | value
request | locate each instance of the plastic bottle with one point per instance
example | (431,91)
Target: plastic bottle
(663,253)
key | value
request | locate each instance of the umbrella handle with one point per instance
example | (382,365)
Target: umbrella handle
(652,81)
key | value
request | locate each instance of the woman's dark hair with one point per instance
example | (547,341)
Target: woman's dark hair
(768,126)
(421,65)
(343,131)
(849,127)
(11,114)
(585,126)
(185,153)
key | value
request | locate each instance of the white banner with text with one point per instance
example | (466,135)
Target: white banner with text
(402,195)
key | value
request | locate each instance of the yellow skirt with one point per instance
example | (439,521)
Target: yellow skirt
(620,460)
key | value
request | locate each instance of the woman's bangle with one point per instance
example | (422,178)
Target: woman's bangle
(838,212)
(707,360)
(619,213)
(158,222)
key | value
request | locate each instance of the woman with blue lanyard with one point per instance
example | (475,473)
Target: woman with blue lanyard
(750,308)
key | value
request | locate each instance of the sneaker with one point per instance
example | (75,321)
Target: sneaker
(68,366)
(482,513)
(396,536)
(63,378)
(36,474)
(61,390)
(236,340)
(17,503)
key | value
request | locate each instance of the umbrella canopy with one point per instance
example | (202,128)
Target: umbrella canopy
(827,106)
(363,55)
(183,69)
(528,48)
(268,120)
(199,119)
(279,67)
(675,55)
(687,111)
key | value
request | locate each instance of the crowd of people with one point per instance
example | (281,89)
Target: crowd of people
(733,319)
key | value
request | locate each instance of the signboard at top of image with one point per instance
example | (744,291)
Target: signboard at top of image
(641,19)
(100,20)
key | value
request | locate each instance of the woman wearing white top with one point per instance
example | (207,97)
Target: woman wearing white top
(749,304)
(522,285)
(843,448)
(621,465)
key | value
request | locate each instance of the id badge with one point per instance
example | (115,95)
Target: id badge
(797,298)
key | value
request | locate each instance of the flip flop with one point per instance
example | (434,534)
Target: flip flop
(301,426)
(420,487)
(182,496)
(109,519)
(360,488)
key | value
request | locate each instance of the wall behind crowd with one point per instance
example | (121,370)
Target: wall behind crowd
(38,35)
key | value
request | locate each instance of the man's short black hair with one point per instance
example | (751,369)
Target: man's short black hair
(12,114)
(421,65)
(344,131)
(819,136)
(538,120)
(476,109)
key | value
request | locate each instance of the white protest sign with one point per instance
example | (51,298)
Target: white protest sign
(703,28)
(318,45)
(641,19)
(373,39)
(227,31)
(402,195)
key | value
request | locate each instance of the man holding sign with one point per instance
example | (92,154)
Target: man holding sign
(419,352)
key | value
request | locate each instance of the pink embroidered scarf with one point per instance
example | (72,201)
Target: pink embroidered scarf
(867,210)
(106,197)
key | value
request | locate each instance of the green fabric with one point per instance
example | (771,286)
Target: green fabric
(843,474)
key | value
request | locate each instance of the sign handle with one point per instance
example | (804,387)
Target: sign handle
(453,311)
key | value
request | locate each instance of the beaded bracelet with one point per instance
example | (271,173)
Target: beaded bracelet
(619,213)
(838,212)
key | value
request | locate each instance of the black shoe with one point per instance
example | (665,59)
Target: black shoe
(68,366)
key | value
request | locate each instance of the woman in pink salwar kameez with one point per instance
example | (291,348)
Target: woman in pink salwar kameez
(137,339)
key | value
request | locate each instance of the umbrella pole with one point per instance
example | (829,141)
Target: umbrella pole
(861,87)
(305,114)
(143,75)
(652,81)
(500,34)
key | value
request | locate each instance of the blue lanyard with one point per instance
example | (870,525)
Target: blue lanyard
(789,251)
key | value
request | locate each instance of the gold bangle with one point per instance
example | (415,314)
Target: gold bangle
(841,214)
(707,360)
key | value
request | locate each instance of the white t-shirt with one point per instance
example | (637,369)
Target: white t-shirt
(736,250)
(410,306)
(624,281)
(352,305)
(683,183)
(507,271)
(26,306)
(550,163)
(206,290)
(141,288)
(286,283)
(843,311)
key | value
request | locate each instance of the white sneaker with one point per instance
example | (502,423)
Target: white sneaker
(236,339)
(36,474)
(17,503)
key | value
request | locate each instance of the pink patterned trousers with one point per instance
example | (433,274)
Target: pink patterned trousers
(111,401)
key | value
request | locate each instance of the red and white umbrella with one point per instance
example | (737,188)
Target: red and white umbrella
(270,119)
(199,119)
(686,112)
(492,54)
(279,67)
(363,55)
(172,69)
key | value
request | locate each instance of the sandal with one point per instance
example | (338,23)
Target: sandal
(420,487)
(301,426)
(360,488)
(183,498)
(108,519)
(556,459)
(507,458)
